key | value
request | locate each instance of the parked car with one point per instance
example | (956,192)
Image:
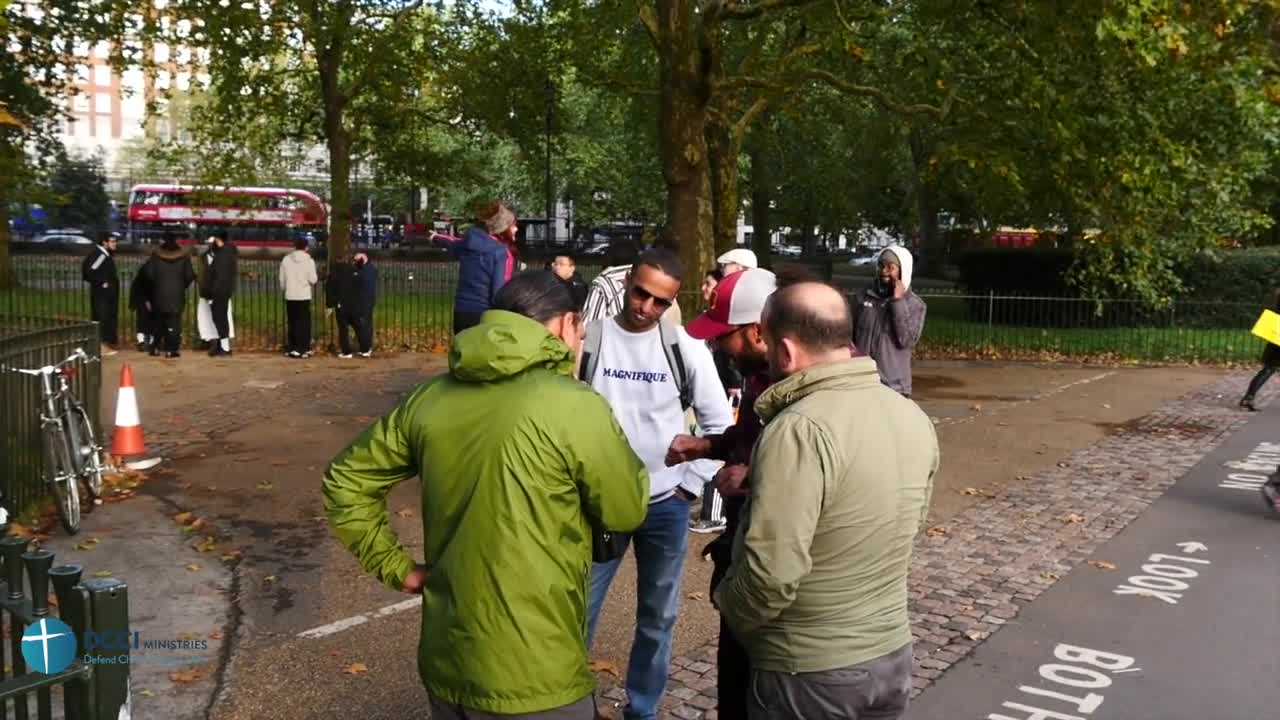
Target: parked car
(789,250)
(68,236)
(863,257)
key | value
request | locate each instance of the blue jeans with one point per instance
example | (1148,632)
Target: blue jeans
(660,546)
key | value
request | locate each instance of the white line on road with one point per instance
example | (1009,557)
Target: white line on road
(1039,396)
(348,623)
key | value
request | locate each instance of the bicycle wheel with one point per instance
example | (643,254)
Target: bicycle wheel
(88,456)
(60,473)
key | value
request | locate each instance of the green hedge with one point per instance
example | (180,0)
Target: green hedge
(1223,289)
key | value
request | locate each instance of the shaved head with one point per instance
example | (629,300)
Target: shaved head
(812,314)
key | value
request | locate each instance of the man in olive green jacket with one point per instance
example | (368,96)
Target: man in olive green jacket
(518,461)
(840,484)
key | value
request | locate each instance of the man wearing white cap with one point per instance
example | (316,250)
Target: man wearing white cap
(737,260)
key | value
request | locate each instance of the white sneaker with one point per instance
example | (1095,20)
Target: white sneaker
(707,527)
(345,356)
(295,354)
(368,353)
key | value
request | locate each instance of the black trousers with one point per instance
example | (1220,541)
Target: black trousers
(362,323)
(146,323)
(104,309)
(463,319)
(168,326)
(733,665)
(298,313)
(1270,363)
(218,306)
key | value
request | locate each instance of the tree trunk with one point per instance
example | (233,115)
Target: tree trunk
(723,157)
(926,213)
(682,142)
(761,196)
(339,193)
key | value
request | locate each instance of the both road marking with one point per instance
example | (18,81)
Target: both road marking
(353,621)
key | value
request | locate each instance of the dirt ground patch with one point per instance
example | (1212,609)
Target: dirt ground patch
(258,481)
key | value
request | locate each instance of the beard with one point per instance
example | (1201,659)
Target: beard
(751,364)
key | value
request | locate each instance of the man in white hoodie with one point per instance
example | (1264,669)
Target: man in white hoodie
(297,277)
(651,372)
(891,319)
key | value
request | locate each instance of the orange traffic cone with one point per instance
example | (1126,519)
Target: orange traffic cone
(128,436)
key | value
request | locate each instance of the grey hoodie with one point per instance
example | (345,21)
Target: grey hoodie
(297,275)
(889,329)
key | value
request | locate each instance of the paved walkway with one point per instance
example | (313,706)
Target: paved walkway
(979,570)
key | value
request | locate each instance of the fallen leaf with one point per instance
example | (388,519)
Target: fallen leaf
(270,579)
(356,668)
(211,488)
(604,666)
(695,596)
(334,653)
(976,407)
(198,524)
(184,518)
(190,530)
(936,531)
(1070,518)
(185,485)
(146,693)
(193,567)
(102,573)
(971,491)
(53,600)
(232,556)
(20,530)
(185,676)
(265,485)
(215,635)
(205,546)
(86,545)
(406,512)
(1050,575)
(1102,564)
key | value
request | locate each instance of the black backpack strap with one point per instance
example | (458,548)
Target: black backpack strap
(675,360)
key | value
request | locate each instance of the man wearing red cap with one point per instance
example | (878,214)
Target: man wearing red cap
(733,325)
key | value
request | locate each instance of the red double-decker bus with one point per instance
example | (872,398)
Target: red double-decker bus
(246,216)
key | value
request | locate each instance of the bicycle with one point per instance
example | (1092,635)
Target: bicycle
(72,454)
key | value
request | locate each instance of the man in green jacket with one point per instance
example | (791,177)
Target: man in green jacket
(518,461)
(840,485)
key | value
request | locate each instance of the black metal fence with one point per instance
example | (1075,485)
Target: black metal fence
(95,684)
(1048,328)
(414,308)
(22,456)
(415,299)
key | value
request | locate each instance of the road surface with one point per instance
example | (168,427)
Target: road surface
(1185,627)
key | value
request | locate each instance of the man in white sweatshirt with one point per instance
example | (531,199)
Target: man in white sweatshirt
(649,384)
(297,278)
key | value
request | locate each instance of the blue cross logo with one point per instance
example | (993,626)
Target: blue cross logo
(48,646)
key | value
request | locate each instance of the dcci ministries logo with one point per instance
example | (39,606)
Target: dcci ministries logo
(48,645)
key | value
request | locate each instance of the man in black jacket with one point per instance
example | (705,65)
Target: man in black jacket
(218,287)
(168,275)
(99,270)
(140,302)
(352,290)
(566,269)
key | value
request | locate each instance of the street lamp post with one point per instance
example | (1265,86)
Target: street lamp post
(550,91)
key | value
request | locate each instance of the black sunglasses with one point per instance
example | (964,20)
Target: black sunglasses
(641,294)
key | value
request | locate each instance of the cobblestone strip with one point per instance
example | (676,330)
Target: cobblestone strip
(975,572)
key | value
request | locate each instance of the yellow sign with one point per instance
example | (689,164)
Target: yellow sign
(1268,327)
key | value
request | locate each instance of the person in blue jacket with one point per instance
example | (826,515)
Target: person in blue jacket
(485,263)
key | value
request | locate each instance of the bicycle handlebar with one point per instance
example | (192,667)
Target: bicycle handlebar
(79,354)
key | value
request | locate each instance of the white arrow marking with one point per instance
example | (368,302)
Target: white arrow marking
(1192,547)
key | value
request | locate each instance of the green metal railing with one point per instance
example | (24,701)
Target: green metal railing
(95,686)
(22,456)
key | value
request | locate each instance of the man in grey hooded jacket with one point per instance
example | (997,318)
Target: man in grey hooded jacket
(891,319)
